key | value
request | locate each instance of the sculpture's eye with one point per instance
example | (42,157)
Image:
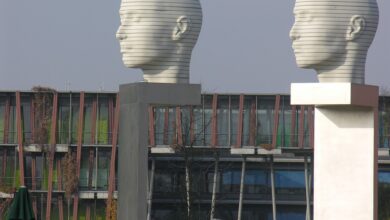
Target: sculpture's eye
(304,17)
(136,18)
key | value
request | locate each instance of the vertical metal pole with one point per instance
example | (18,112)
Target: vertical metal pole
(307,189)
(111,185)
(78,154)
(241,188)
(273,187)
(20,137)
(52,154)
(150,194)
(213,197)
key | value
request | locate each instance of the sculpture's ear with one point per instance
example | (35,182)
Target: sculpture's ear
(356,26)
(182,26)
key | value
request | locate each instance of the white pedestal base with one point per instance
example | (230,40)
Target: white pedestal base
(345,154)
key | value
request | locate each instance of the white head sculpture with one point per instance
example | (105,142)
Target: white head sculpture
(158,36)
(333,37)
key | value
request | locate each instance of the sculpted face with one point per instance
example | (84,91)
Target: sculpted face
(333,37)
(316,38)
(158,36)
(143,36)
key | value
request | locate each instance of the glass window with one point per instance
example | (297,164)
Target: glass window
(2,114)
(171,134)
(249,120)
(207,123)
(87,127)
(75,118)
(284,124)
(26,118)
(384,194)
(87,169)
(291,213)
(103,172)
(103,121)
(163,182)
(257,181)
(265,120)
(159,113)
(231,181)
(223,120)
(198,125)
(63,128)
(290,184)
(234,113)
(210,182)
(12,138)
(384,177)
(185,125)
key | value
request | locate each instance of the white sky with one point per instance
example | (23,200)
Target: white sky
(244,47)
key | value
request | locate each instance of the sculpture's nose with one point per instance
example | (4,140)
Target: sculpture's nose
(293,33)
(120,33)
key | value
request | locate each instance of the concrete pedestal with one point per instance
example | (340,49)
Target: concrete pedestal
(133,139)
(345,154)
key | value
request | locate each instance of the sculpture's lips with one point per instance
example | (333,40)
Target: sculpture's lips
(125,50)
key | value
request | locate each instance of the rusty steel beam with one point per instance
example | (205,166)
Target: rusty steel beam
(88,211)
(301,132)
(52,154)
(60,199)
(214,128)
(20,137)
(32,119)
(78,152)
(111,184)
(276,121)
(311,125)
(7,118)
(34,158)
(240,121)
(293,125)
(252,124)
(152,140)
(179,130)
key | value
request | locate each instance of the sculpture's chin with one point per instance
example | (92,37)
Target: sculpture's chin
(130,64)
(304,65)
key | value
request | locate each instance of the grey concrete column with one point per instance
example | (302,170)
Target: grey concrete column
(133,139)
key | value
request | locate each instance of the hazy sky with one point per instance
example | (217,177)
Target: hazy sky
(244,46)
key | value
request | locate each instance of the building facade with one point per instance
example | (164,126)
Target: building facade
(234,155)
